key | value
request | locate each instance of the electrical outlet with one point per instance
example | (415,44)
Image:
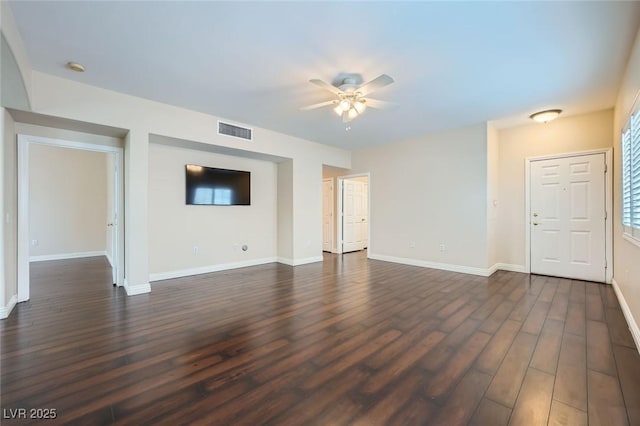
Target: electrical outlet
(412,244)
(196,250)
(34,243)
(442,247)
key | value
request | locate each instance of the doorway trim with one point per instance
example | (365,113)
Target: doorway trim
(340,211)
(608,194)
(24,143)
(332,249)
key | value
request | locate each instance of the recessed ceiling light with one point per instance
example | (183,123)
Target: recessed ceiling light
(545,116)
(75,66)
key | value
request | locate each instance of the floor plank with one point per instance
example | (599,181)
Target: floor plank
(545,357)
(490,413)
(571,377)
(599,352)
(627,361)
(565,415)
(534,400)
(606,405)
(345,341)
(508,379)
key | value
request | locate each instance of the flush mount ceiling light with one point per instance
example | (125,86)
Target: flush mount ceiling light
(545,116)
(350,101)
(74,66)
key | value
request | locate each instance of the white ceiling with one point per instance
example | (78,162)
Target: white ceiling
(455,63)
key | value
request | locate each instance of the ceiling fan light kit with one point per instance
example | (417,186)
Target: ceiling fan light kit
(350,99)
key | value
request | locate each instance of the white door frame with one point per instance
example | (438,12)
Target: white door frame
(333,218)
(24,142)
(608,189)
(339,239)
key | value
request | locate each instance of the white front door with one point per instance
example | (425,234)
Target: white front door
(327,214)
(354,216)
(567,217)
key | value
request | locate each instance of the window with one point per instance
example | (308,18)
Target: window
(631,178)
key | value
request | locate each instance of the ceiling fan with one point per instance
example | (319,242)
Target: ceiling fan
(350,98)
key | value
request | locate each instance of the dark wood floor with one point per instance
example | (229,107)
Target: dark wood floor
(348,341)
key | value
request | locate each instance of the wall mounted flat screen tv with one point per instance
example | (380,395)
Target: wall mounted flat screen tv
(217,187)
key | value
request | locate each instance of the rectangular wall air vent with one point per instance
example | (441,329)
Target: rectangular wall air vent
(235,131)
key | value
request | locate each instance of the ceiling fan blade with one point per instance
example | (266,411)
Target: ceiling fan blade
(375,84)
(326,86)
(318,105)
(375,103)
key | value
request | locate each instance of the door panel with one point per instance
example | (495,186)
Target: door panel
(579,200)
(568,217)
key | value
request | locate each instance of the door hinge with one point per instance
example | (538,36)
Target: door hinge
(605,215)
(605,264)
(605,168)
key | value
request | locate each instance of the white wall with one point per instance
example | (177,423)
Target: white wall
(20,61)
(430,191)
(12,89)
(563,135)
(307,208)
(217,231)
(10,210)
(493,168)
(626,256)
(285,211)
(68,201)
(18,53)
(66,135)
(70,100)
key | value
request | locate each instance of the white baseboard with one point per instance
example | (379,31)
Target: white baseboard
(5,311)
(306,260)
(492,270)
(207,269)
(510,267)
(633,325)
(66,256)
(133,290)
(298,262)
(109,258)
(484,272)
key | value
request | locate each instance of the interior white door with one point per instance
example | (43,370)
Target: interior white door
(327,214)
(568,217)
(353,217)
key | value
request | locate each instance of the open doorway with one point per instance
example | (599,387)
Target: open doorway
(70,199)
(328,215)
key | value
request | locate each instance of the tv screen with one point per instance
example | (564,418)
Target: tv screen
(217,187)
